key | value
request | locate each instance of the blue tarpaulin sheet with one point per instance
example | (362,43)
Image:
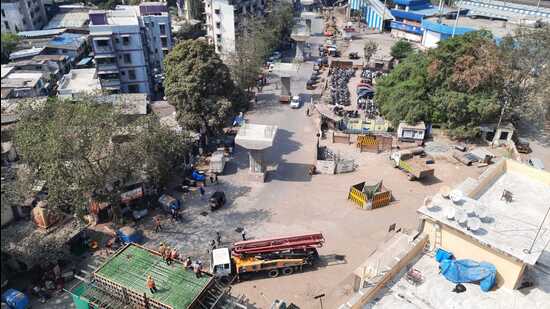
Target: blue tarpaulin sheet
(460,271)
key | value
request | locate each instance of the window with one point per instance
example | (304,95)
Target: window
(156,50)
(7,25)
(164,42)
(218,25)
(162,29)
(3,13)
(16,29)
(217,11)
(133,88)
(131,74)
(126,40)
(117,40)
(102,43)
(127,58)
(123,73)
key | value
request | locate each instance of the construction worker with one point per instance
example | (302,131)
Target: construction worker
(188,263)
(243,234)
(174,254)
(213,244)
(158,227)
(151,284)
(168,256)
(218,238)
(162,249)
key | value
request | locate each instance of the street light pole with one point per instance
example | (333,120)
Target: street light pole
(456,21)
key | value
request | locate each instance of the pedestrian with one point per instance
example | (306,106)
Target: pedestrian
(188,264)
(162,249)
(174,214)
(243,234)
(212,245)
(211,178)
(216,178)
(151,284)
(197,270)
(201,190)
(158,227)
(174,255)
(168,256)
(218,238)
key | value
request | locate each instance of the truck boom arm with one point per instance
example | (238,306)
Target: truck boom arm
(278,244)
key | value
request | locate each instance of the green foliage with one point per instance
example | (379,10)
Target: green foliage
(83,147)
(199,85)
(9,42)
(189,32)
(401,49)
(256,40)
(456,84)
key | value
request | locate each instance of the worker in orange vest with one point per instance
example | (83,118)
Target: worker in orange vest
(151,284)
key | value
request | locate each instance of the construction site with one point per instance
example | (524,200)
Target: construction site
(323,205)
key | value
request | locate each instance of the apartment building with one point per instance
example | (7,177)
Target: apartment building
(23,15)
(129,44)
(223,18)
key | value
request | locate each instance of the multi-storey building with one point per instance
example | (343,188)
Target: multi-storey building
(129,45)
(23,15)
(223,18)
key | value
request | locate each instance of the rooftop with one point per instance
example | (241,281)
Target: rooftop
(21,80)
(498,28)
(68,41)
(127,103)
(78,81)
(26,53)
(177,287)
(40,33)
(68,20)
(507,227)
(436,292)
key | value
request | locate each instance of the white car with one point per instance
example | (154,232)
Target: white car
(295,102)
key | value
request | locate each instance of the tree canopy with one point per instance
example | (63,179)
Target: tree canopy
(465,81)
(83,148)
(9,42)
(199,85)
(401,49)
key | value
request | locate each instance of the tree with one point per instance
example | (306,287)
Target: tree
(82,149)
(9,43)
(456,84)
(401,49)
(199,85)
(189,31)
(369,49)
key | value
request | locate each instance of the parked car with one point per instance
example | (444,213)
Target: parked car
(353,56)
(275,56)
(217,200)
(295,102)
(522,145)
(310,84)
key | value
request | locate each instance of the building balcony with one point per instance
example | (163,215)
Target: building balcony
(110,84)
(107,67)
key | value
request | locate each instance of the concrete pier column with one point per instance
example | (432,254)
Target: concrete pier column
(300,50)
(256,161)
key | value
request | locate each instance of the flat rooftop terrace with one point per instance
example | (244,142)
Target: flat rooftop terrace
(509,227)
(436,292)
(177,287)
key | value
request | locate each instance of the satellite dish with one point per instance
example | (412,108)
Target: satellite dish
(444,191)
(481,211)
(456,196)
(470,208)
(461,216)
(474,224)
(451,213)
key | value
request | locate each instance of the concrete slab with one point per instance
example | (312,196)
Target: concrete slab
(256,136)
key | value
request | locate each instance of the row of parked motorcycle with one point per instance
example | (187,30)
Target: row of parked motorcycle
(339,92)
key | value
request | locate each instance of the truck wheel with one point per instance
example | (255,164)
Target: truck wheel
(225,280)
(273,273)
(411,177)
(287,271)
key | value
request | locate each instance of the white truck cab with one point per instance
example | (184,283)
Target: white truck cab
(221,263)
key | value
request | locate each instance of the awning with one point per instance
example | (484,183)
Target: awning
(101,56)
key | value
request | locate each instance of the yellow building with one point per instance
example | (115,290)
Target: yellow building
(495,218)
